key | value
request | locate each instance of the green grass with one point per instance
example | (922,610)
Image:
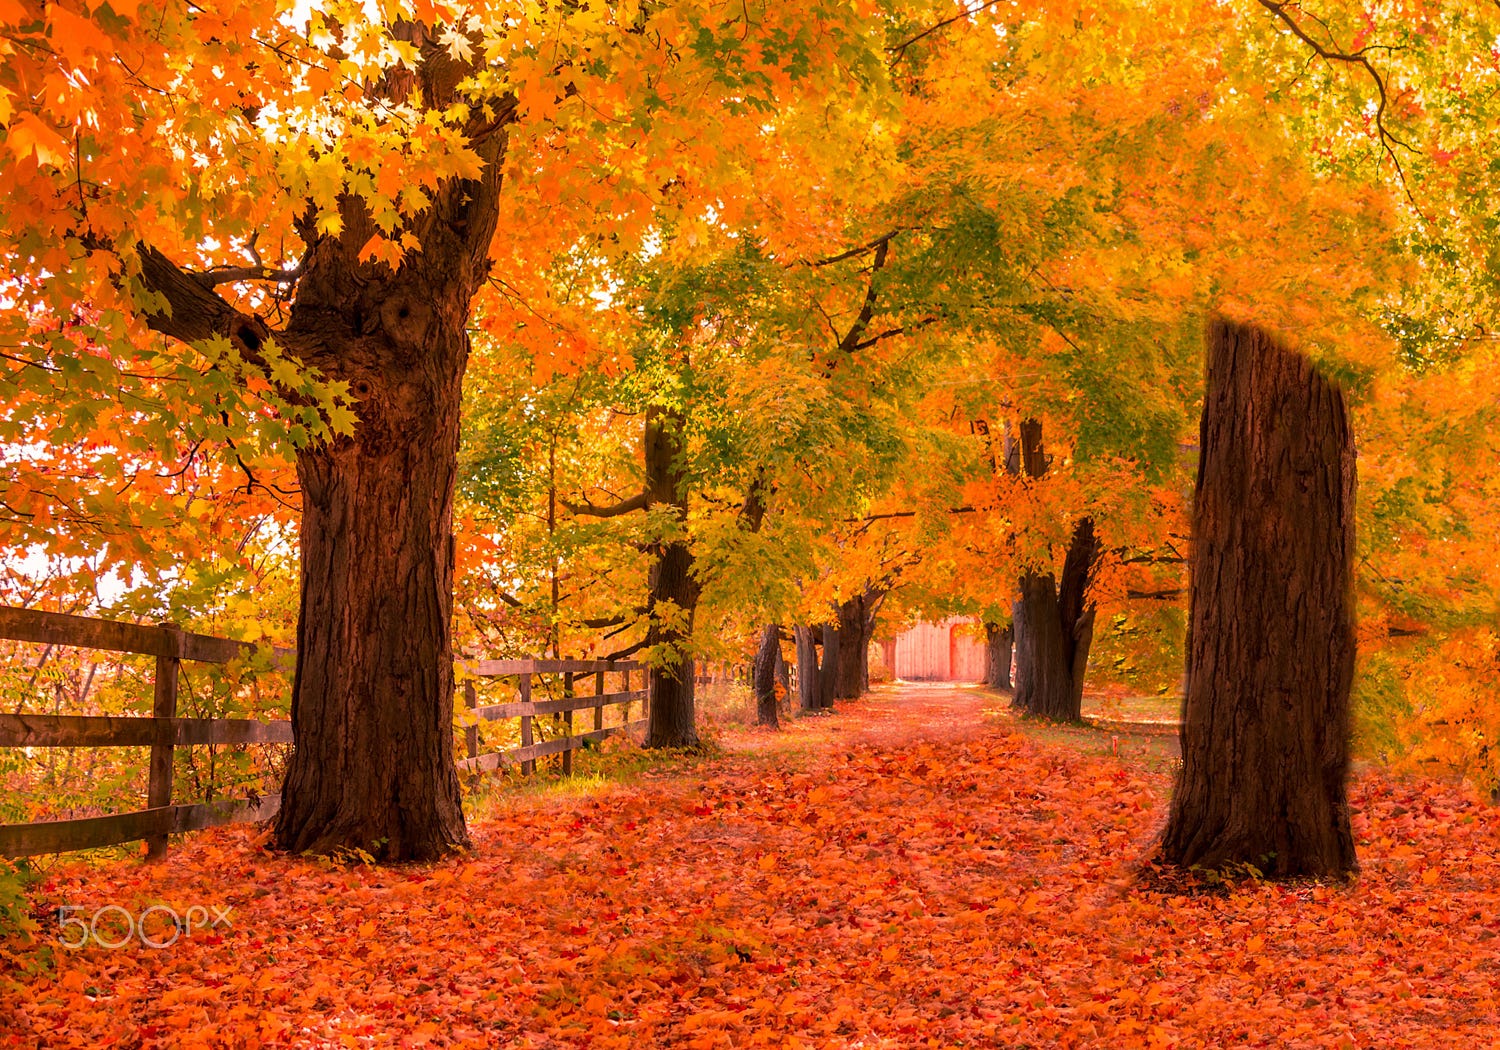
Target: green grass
(1141,731)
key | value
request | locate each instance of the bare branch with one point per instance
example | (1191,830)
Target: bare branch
(898,51)
(1388,141)
(890,332)
(1163,595)
(588,510)
(217,275)
(912,514)
(194,311)
(853,253)
(850,342)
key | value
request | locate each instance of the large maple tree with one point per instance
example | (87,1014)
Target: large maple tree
(312,196)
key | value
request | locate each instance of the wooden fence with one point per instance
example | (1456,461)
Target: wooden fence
(574,673)
(162,731)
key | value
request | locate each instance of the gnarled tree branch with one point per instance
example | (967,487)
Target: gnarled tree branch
(588,510)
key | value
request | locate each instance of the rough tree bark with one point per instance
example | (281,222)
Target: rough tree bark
(674,589)
(828,672)
(1271,625)
(856,624)
(765,676)
(1054,625)
(372,698)
(998,646)
(809,675)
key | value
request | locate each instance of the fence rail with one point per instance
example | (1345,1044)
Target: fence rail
(573,672)
(163,731)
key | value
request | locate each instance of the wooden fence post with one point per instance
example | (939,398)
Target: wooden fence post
(164,707)
(598,708)
(471,733)
(567,756)
(529,765)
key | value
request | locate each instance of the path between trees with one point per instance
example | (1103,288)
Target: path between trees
(904,873)
(892,714)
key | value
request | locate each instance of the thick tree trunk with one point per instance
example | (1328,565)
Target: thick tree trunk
(828,684)
(856,624)
(998,643)
(1265,753)
(671,715)
(851,657)
(1054,628)
(372,710)
(372,766)
(765,676)
(809,675)
(372,698)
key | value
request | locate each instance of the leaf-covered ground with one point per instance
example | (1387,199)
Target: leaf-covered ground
(840,885)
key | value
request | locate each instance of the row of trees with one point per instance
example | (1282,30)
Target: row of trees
(636,329)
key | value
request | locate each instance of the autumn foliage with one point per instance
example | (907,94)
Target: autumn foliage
(410,333)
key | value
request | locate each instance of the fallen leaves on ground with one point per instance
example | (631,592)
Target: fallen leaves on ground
(969,892)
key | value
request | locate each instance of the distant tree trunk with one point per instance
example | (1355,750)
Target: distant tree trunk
(674,592)
(851,658)
(998,644)
(1054,626)
(828,686)
(783,678)
(1265,728)
(765,676)
(856,629)
(809,679)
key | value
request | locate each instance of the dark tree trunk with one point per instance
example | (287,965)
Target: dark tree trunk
(765,676)
(851,658)
(856,628)
(998,643)
(828,672)
(783,679)
(809,676)
(1054,627)
(372,709)
(1265,727)
(671,715)
(372,699)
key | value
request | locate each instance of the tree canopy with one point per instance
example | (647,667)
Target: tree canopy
(361,321)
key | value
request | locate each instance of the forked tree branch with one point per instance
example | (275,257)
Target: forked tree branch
(898,51)
(1361,58)
(851,341)
(589,510)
